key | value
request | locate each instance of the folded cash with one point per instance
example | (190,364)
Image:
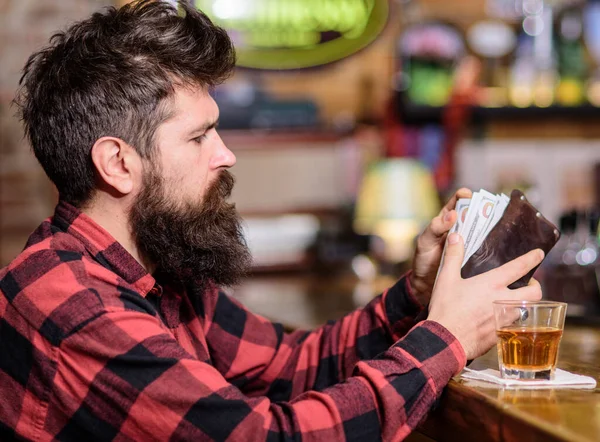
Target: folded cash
(497,229)
(477,217)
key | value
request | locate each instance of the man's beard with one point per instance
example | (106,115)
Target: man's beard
(190,242)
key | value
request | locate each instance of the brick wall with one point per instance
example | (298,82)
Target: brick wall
(26,195)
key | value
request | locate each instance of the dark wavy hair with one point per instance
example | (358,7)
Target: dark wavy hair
(112,75)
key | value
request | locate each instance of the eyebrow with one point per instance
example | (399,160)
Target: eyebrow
(205,127)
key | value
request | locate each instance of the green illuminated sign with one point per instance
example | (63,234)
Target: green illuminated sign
(293,34)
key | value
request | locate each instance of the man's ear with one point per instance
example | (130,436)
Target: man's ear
(117,164)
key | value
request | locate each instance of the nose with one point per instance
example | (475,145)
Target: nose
(223,158)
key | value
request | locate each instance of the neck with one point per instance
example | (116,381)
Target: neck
(111,215)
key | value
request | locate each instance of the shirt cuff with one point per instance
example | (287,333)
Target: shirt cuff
(401,308)
(436,350)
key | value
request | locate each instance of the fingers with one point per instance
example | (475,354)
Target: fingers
(441,224)
(463,192)
(513,270)
(531,292)
(453,258)
(507,317)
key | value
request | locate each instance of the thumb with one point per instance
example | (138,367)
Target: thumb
(453,257)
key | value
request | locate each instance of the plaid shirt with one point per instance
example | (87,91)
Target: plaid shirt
(92,347)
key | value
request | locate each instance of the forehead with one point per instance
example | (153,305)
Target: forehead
(191,107)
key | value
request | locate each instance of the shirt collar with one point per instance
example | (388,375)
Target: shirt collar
(102,246)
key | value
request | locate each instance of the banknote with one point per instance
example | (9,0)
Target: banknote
(482,215)
(476,218)
(492,219)
(465,226)
(462,207)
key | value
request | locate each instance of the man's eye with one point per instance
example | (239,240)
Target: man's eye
(201,138)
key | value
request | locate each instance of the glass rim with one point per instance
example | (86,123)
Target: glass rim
(516,303)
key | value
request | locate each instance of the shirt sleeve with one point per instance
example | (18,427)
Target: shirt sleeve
(123,377)
(258,357)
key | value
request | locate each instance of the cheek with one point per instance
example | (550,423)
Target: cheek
(188,175)
(189,186)
(197,176)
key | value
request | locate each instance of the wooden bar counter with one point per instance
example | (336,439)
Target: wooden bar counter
(468,410)
(477,411)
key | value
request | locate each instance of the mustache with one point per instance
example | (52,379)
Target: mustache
(225,183)
(219,191)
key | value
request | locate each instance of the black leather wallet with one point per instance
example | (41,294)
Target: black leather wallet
(521,229)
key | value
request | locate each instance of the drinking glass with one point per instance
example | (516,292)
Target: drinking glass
(529,335)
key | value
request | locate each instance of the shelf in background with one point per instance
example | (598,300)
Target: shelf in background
(278,139)
(415,114)
(509,112)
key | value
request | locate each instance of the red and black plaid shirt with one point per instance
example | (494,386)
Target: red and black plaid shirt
(92,347)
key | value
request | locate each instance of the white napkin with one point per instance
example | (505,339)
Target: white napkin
(562,379)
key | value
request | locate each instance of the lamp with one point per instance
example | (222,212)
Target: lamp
(397,199)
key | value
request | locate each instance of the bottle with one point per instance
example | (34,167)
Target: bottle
(572,63)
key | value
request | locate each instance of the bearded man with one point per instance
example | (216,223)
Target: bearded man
(112,322)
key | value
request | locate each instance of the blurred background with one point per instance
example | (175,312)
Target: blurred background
(352,120)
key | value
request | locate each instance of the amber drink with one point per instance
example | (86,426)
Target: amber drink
(529,336)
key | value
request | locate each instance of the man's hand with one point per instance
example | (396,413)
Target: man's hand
(465,306)
(430,246)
